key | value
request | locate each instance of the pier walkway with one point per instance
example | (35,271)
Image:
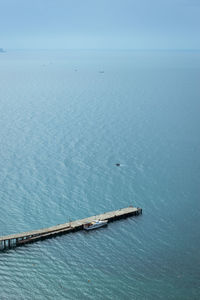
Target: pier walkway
(14,240)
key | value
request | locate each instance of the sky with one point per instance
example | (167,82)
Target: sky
(100,24)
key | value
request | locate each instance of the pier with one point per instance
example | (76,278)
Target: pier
(19,239)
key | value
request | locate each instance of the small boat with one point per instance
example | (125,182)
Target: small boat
(117,164)
(95,224)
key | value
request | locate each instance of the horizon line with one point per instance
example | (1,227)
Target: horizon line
(102,49)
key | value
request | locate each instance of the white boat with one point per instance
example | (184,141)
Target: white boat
(95,224)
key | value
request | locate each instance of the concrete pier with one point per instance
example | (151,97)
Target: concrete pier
(14,240)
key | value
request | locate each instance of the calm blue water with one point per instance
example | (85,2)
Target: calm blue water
(63,126)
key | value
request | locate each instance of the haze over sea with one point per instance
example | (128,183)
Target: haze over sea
(64,123)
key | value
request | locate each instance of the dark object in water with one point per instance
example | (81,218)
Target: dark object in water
(117,164)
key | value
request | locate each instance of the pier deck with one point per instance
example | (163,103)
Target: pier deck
(18,239)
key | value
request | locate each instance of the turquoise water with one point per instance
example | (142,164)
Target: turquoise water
(63,126)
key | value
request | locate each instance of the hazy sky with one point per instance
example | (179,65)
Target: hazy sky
(133,24)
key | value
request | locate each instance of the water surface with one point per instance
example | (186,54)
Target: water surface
(63,125)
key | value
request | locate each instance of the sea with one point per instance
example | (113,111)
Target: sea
(66,118)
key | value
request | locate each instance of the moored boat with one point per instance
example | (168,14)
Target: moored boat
(95,224)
